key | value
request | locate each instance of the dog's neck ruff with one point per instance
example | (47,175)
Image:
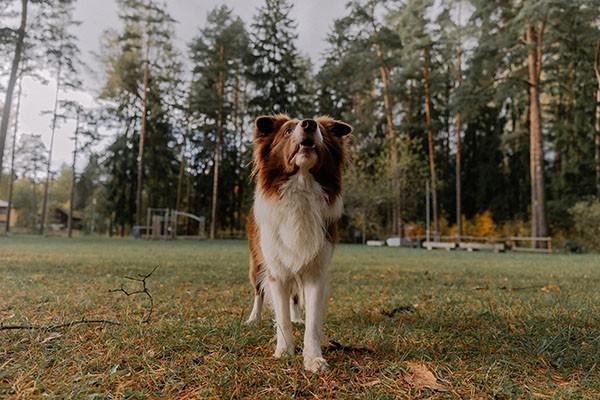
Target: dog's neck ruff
(293,226)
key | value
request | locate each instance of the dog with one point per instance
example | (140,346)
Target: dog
(291,227)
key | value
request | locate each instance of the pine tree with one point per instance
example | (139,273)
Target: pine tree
(412,24)
(278,70)
(143,80)
(63,60)
(218,54)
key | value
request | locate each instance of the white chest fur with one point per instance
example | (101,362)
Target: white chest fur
(293,227)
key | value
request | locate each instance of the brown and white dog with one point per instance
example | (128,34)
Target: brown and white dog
(292,226)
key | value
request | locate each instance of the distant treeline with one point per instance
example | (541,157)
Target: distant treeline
(494,104)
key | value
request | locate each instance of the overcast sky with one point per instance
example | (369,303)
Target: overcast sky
(314,19)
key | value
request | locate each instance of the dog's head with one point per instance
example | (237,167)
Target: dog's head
(284,147)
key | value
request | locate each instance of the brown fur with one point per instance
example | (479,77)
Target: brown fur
(256,257)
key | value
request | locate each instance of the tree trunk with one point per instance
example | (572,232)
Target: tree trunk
(181,174)
(238,124)
(73,179)
(431,149)
(140,158)
(11,178)
(34,204)
(459,149)
(391,139)
(390,130)
(50,150)
(597,138)
(217,155)
(12,80)
(534,40)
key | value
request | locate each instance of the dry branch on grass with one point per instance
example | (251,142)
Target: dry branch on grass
(84,321)
(81,321)
(144,290)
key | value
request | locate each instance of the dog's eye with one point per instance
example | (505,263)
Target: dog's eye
(288,131)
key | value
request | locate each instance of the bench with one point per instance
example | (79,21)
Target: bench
(475,246)
(429,245)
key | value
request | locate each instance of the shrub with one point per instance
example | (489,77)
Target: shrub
(586,224)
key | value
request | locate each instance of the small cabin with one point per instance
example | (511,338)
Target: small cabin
(61,218)
(4,215)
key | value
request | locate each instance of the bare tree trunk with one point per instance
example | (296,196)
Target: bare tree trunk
(459,149)
(12,80)
(73,179)
(181,174)
(431,149)
(142,142)
(237,122)
(11,178)
(34,203)
(535,40)
(217,155)
(50,150)
(391,139)
(597,138)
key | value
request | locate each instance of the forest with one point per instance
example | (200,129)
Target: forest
(494,105)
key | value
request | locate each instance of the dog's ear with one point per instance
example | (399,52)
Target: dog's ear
(266,125)
(341,129)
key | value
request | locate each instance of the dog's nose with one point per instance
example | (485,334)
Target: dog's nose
(309,125)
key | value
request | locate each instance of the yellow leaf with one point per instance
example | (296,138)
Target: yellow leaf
(551,288)
(421,377)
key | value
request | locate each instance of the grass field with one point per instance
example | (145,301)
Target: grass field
(487,325)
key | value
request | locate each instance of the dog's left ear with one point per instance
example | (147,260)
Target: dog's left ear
(340,129)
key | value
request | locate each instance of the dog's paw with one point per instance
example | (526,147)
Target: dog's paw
(298,321)
(315,364)
(252,321)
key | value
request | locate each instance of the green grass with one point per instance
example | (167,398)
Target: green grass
(467,324)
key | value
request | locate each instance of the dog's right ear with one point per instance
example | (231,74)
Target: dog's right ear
(266,125)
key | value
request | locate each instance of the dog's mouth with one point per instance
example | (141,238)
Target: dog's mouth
(306,147)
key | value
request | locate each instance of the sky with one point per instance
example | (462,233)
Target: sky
(314,19)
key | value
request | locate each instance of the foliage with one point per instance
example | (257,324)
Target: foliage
(147,31)
(278,71)
(586,224)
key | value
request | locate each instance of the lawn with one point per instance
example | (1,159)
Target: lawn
(486,325)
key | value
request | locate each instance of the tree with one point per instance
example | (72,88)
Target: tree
(534,39)
(85,135)
(217,54)
(597,138)
(143,85)
(12,156)
(278,73)
(412,24)
(14,70)
(31,156)
(63,59)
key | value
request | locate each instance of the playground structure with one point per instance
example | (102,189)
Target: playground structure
(162,224)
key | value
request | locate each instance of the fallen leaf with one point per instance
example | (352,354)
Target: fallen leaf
(559,380)
(421,377)
(551,288)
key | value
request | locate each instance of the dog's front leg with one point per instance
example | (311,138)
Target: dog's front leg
(315,303)
(280,295)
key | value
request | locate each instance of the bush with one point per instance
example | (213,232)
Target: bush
(586,224)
